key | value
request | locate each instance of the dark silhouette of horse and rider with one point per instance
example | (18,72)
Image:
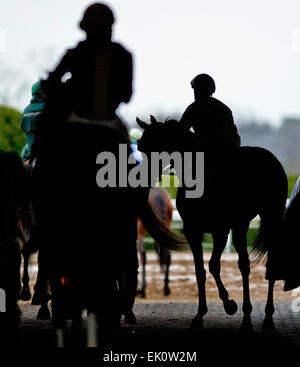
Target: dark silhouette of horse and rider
(87,234)
(90,263)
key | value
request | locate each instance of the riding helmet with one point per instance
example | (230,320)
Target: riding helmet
(204,84)
(100,11)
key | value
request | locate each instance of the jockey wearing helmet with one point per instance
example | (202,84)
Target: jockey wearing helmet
(100,70)
(211,119)
(29,119)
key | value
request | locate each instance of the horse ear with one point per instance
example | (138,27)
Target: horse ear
(142,124)
(153,119)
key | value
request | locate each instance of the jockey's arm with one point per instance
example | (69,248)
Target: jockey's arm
(185,121)
(55,76)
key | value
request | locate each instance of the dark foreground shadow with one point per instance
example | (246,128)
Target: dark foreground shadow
(163,333)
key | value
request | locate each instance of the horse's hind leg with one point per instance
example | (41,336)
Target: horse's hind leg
(239,239)
(167,290)
(268,323)
(220,240)
(25,294)
(165,261)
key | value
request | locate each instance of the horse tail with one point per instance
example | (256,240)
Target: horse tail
(259,245)
(160,231)
(267,244)
(269,235)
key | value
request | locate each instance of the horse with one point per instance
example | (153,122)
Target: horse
(240,184)
(29,236)
(14,199)
(85,250)
(161,205)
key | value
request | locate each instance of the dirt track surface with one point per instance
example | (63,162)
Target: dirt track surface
(183,281)
(164,322)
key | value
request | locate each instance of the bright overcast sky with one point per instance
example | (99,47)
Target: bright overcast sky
(250,47)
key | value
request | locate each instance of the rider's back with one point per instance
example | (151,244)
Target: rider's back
(211,119)
(84,62)
(212,122)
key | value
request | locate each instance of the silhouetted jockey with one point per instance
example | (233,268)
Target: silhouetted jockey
(29,119)
(100,70)
(211,119)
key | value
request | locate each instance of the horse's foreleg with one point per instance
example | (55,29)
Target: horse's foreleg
(41,295)
(268,322)
(142,252)
(196,247)
(239,238)
(25,294)
(215,268)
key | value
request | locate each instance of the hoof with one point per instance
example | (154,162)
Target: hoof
(230,307)
(268,323)
(44,313)
(197,322)
(25,294)
(167,291)
(39,299)
(130,318)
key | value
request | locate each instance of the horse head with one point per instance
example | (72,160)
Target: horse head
(160,136)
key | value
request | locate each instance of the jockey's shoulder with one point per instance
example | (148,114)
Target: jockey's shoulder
(85,45)
(210,103)
(34,108)
(118,47)
(220,104)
